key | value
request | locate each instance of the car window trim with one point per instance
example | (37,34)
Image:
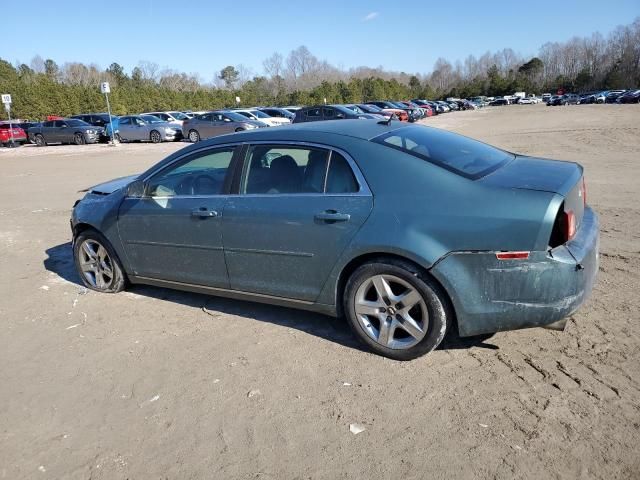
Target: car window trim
(227,185)
(363,190)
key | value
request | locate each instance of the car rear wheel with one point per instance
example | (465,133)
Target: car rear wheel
(97,264)
(78,139)
(118,138)
(155,136)
(39,139)
(194,136)
(395,309)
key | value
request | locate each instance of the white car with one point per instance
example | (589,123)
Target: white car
(526,101)
(259,116)
(174,118)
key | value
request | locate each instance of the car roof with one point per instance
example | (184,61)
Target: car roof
(358,128)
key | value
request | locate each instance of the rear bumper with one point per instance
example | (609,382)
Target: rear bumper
(491,295)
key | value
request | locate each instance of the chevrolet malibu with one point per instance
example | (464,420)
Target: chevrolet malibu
(406,231)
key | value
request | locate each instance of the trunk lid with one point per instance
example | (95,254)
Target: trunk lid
(541,174)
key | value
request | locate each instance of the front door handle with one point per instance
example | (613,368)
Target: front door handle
(332,216)
(204,212)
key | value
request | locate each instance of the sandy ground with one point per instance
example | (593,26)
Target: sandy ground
(153,383)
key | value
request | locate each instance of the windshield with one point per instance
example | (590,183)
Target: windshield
(259,114)
(152,119)
(454,152)
(77,123)
(178,115)
(236,117)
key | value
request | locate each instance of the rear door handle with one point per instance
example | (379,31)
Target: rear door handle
(204,212)
(332,216)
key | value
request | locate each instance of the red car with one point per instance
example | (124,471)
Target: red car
(428,111)
(5,135)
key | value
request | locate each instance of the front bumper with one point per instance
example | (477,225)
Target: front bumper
(491,295)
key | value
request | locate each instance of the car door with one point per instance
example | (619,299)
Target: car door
(125,128)
(174,231)
(205,126)
(291,221)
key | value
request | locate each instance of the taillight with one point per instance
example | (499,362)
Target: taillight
(512,255)
(569,225)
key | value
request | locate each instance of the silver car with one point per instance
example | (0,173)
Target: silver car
(212,124)
(146,128)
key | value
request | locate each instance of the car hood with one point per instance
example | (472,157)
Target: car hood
(540,174)
(111,186)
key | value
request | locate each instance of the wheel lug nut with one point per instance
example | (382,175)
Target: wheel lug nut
(389,319)
(383,310)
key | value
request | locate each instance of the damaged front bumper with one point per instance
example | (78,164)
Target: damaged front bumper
(491,295)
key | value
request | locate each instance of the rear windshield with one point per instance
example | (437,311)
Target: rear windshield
(454,152)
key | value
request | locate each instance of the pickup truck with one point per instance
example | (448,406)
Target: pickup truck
(68,130)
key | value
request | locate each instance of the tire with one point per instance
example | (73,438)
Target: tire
(239,129)
(194,136)
(39,140)
(155,136)
(428,317)
(79,139)
(118,138)
(97,264)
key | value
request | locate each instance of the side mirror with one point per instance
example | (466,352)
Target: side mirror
(136,189)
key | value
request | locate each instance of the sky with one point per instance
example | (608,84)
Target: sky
(200,36)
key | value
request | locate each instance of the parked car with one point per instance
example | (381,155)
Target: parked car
(212,124)
(566,99)
(258,116)
(526,101)
(68,130)
(387,112)
(97,120)
(278,112)
(391,105)
(360,111)
(613,95)
(25,125)
(145,128)
(326,112)
(630,96)
(497,102)
(428,109)
(174,118)
(11,134)
(445,106)
(239,214)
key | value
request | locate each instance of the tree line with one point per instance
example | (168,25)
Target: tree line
(583,63)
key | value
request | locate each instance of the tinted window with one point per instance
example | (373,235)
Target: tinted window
(47,124)
(454,152)
(328,112)
(285,169)
(77,123)
(203,174)
(59,123)
(312,112)
(125,121)
(206,117)
(340,178)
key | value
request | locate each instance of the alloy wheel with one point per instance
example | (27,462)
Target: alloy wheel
(155,137)
(96,264)
(391,311)
(194,136)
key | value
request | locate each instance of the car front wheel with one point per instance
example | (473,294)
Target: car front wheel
(395,309)
(97,264)
(194,136)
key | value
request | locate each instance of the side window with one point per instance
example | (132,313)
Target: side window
(313,113)
(125,121)
(340,178)
(59,123)
(47,124)
(273,170)
(328,113)
(202,174)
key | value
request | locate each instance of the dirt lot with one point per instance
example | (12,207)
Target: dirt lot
(155,384)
